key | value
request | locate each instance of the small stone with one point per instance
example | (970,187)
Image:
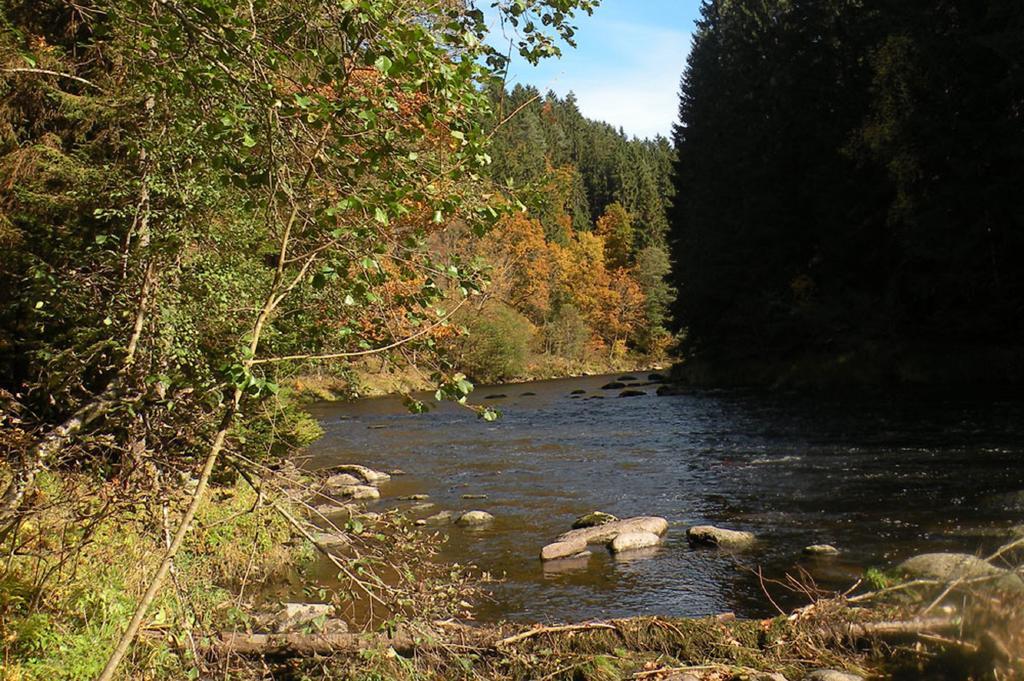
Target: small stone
(593,519)
(421,507)
(632,393)
(821,550)
(528,395)
(330,540)
(831,675)
(474,519)
(563,549)
(334,626)
(631,541)
(578,392)
(415,497)
(474,496)
(499,396)
(396,471)
(709,535)
(614,385)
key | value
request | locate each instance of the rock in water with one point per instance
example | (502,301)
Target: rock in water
(948,566)
(293,616)
(442,518)
(367,475)
(360,492)
(630,541)
(602,534)
(593,519)
(709,535)
(474,518)
(578,392)
(563,549)
(614,385)
(632,393)
(831,675)
(342,480)
(821,550)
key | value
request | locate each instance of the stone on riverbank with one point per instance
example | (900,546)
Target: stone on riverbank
(631,541)
(831,675)
(593,519)
(293,616)
(603,534)
(948,566)
(709,535)
(821,550)
(474,519)
(329,541)
(563,549)
(367,475)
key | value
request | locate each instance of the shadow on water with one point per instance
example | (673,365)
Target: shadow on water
(881,477)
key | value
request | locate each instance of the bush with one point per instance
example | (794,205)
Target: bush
(498,344)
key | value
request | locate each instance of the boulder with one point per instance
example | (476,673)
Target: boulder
(831,675)
(632,393)
(294,616)
(821,550)
(474,519)
(948,566)
(442,518)
(709,535)
(563,549)
(359,492)
(364,474)
(342,480)
(631,541)
(614,385)
(603,534)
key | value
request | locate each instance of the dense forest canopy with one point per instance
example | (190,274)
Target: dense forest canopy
(580,271)
(849,176)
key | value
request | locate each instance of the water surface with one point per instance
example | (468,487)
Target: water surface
(882,477)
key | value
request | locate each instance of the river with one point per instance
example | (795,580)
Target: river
(880,476)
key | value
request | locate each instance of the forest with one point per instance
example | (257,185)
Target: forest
(848,190)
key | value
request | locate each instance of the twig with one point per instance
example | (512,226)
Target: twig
(587,626)
(48,72)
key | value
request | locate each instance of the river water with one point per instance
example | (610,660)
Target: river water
(882,477)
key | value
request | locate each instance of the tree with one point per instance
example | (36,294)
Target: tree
(616,227)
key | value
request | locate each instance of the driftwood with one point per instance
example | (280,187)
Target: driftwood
(407,642)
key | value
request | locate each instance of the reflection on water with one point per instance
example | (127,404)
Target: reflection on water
(881,477)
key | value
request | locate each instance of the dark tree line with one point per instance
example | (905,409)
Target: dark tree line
(849,175)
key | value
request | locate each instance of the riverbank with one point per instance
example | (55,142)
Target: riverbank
(374,378)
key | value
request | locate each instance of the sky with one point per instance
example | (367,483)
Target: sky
(627,64)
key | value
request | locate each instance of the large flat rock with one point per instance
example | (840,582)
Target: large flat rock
(603,534)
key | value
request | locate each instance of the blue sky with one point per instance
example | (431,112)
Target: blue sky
(626,68)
